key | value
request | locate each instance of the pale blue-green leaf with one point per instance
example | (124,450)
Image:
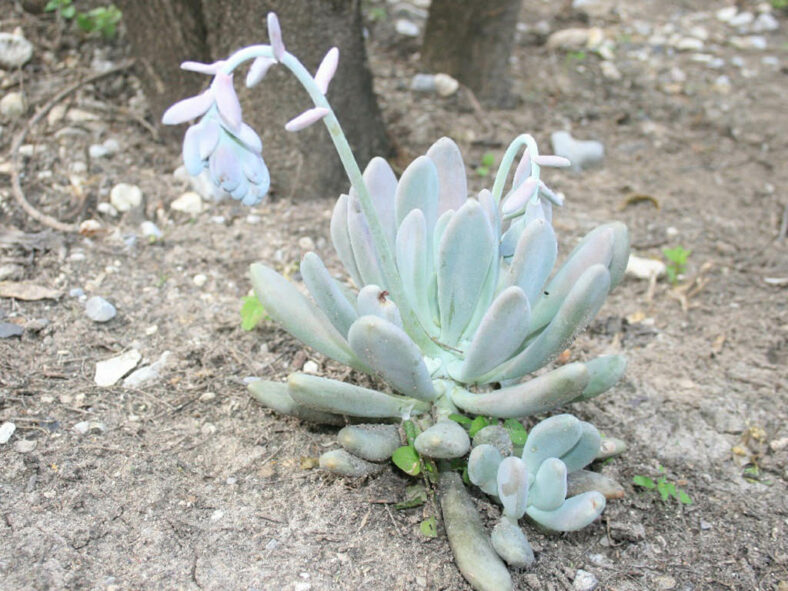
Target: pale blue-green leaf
(513,486)
(274,395)
(605,371)
(533,260)
(373,301)
(382,184)
(585,450)
(344,463)
(551,438)
(364,250)
(549,488)
(511,544)
(444,440)
(418,189)
(414,263)
(375,443)
(340,237)
(453,185)
(582,481)
(576,512)
(327,294)
(483,467)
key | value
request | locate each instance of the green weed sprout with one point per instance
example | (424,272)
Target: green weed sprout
(663,487)
(452,304)
(102,19)
(677,262)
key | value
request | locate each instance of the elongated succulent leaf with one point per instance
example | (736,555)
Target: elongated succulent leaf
(582,481)
(390,352)
(596,248)
(490,208)
(299,316)
(511,544)
(576,512)
(483,467)
(466,251)
(604,373)
(533,259)
(549,488)
(453,185)
(344,463)
(327,293)
(473,552)
(551,438)
(374,301)
(500,334)
(585,450)
(576,312)
(418,189)
(375,443)
(274,395)
(341,398)
(415,266)
(444,440)
(364,251)
(340,237)
(513,487)
(618,263)
(532,397)
(609,447)
(382,184)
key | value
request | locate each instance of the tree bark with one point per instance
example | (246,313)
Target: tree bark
(164,33)
(472,40)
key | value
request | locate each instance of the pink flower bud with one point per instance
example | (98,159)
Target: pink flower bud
(188,109)
(275,36)
(306,119)
(258,70)
(327,69)
(558,161)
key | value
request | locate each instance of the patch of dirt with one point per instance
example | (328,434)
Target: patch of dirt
(188,484)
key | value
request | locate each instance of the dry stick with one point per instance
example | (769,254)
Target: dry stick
(16,186)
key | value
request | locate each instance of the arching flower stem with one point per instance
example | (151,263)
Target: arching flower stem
(521,140)
(409,319)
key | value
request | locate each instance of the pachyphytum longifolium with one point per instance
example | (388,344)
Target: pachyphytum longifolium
(453,301)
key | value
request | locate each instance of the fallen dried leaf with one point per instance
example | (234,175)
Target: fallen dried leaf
(27,291)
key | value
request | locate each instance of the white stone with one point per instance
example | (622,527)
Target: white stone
(110,371)
(584,581)
(150,230)
(306,243)
(699,32)
(568,39)
(723,84)
(741,19)
(726,14)
(87,228)
(15,51)
(311,367)
(99,310)
(200,279)
(6,430)
(422,83)
(765,23)
(125,197)
(407,28)
(594,8)
(148,374)
(689,44)
(610,71)
(643,268)
(24,446)
(190,203)
(751,42)
(107,209)
(13,105)
(445,85)
(581,153)
(81,116)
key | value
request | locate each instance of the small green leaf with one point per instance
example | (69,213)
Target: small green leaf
(252,312)
(406,459)
(429,527)
(665,489)
(517,432)
(643,481)
(488,159)
(410,431)
(415,496)
(461,419)
(684,498)
(477,425)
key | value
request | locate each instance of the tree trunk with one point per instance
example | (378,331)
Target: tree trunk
(472,40)
(302,164)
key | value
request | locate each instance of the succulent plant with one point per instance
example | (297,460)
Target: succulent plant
(453,302)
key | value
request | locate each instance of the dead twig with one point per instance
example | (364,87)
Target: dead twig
(16,185)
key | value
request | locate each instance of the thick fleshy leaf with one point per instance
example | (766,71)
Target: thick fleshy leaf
(306,119)
(201,68)
(225,168)
(533,259)
(250,139)
(500,334)
(548,491)
(618,263)
(382,185)
(340,238)
(258,70)
(192,160)
(374,301)
(327,69)
(392,355)
(556,161)
(227,101)
(418,188)
(188,109)
(551,438)
(596,248)
(209,137)
(255,170)
(344,463)
(511,544)
(275,36)
(444,440)
(535,396)
(347,399)
(274,395)
(523,169)
(453,185)
(375,443)
(299,316)
(550,195)
(605,372)
(483,467)
(609,447)
(518,198)
(513,486)
(585,450)
(327,294)
(466,251)
(490,208)
(474,554)
(364,251)
(241,189)
(576,512)
(576,312)
(414,264)
(583,481)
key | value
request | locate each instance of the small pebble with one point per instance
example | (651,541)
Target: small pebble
(584,581)
(110,371)
(9,329)
(407,28)
(581,153)
(24,446)
(610,71)
(13,105)
(125,197)
(726,14)
(6,430)
(741,19)
(99,310)
(85,427)
(76,292)
(644,268)
(311,367)
(15,51)
(189,203)
(689,44)
(445,85)
(665,583)
(306,243)
(423,83)
(149,374)
(200,279)
(207,396)
(150,230)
